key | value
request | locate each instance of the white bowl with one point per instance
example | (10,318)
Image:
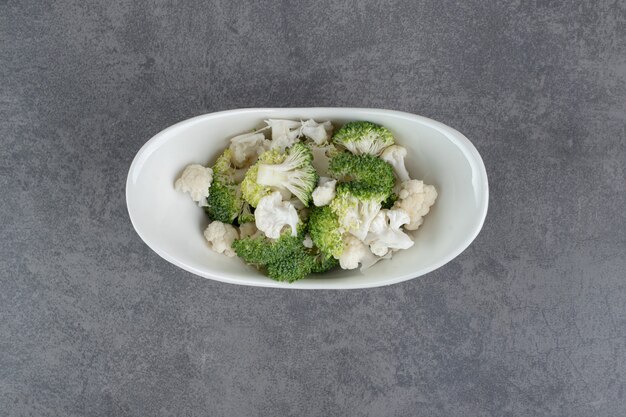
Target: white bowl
(172,225)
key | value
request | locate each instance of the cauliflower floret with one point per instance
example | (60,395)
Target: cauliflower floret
(395,155)
(195,180)
(307,242)
(415,198)
(272,214)
(318,132)
(221,237)
(284,133)
(356,252)
(321,157)
(385,233)
(324,192)
(247,147)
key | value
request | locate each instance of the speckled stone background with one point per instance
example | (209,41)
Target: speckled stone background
(529,321)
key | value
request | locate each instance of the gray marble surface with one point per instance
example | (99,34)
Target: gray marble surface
(529,321)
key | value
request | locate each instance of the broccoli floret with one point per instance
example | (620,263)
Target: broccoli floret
(246,215)
(356,206)
(251,190)
(324,263)
(295,174)
(297,265)
(325,231)
(223,167)
(224,202)
(284,259)
(363,138)
(390,201)
(367,172)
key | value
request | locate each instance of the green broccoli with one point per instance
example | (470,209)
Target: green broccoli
(356,206)
(246,215)
(365,171)
(253,191)
(295,265)
(390,201)
(324,263)
(223,164)
(363,138)
(295,174)
(224,201)
(284,259)
(325,231)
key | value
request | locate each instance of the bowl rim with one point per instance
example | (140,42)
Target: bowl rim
(464,144)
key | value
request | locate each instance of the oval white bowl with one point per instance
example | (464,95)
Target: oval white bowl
(172,225)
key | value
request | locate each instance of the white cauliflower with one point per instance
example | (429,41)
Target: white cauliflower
(318,132)
(321,157)
(356,252)
(307,242)
(324,192)
(195,180)
(272,214)
(385,232)
(284,133)
(415,198)
(247,147)
(395,155)
(220,237)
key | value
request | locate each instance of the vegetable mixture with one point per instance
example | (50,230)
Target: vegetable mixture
(293,198)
